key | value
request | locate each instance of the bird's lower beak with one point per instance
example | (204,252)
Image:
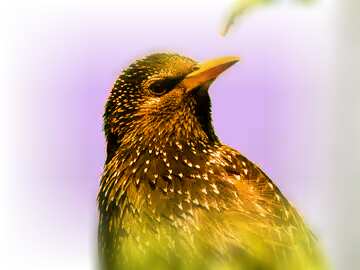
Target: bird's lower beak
(207,72)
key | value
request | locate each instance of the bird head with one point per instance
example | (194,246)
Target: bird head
(162,97)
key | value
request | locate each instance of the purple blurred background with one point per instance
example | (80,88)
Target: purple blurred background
(274,106)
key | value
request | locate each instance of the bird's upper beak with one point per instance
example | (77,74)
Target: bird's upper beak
(207,72)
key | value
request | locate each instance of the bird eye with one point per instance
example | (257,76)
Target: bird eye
(195,68)
(157,88)
(161,87)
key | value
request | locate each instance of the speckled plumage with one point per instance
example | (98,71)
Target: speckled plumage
(169,182)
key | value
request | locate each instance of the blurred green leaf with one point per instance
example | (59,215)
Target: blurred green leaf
(241,7)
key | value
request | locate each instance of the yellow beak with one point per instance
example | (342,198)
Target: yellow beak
(207,72)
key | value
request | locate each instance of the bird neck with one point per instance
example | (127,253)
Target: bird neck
(203,113)
(189,123)
(168,132)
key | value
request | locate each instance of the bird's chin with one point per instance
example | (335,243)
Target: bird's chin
(201,94)
(201,90)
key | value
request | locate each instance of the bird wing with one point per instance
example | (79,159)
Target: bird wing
(256,217)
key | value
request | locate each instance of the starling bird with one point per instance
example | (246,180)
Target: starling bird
(172,195)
